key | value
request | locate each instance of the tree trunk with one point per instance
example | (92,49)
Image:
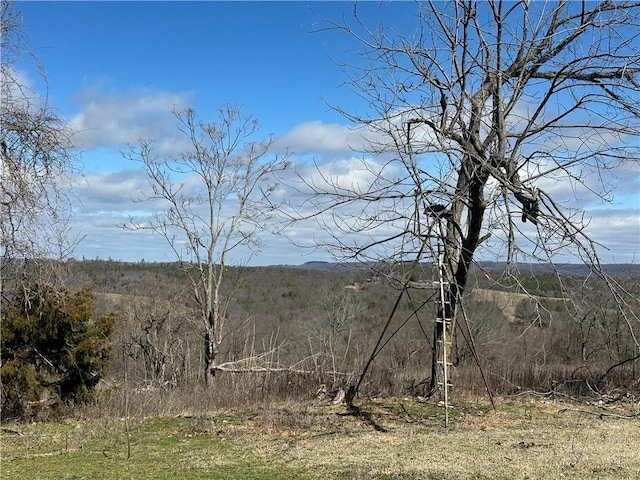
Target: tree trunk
(210,354)
(469,244)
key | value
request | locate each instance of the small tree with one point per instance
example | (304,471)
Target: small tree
(331,330)
(475,119)
(54,350)
(210,195)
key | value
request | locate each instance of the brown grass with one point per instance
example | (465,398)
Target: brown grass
(406,439)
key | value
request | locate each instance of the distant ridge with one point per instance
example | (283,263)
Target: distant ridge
(331,266)
(569,269)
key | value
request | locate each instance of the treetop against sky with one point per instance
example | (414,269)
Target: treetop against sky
(116,70)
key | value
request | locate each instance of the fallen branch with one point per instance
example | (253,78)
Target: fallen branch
(231,367)
(601,414)
(619,364)
(238,367)
(261,363)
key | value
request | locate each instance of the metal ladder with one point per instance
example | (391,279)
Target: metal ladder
(443,321)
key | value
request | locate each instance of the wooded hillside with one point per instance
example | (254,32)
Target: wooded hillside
(292,329)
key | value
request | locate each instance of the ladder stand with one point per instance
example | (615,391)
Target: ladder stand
(443,322)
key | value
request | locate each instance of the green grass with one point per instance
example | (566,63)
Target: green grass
(400,439)
(160,448)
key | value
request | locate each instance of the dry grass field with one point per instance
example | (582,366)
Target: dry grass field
(388,439)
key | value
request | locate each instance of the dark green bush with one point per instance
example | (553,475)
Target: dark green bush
(54,351)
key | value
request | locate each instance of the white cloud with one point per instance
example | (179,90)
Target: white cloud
(350,173)
(316,137)
(110,191)
(321,138)
(18,87)
(107,197)
(618,230)
(121,119)
(587,186)
(107,202)
(628,179)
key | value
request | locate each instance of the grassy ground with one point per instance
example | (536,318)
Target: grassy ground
(391,438)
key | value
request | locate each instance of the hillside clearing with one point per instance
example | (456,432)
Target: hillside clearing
(507,302)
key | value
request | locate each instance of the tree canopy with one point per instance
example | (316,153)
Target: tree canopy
(489,126)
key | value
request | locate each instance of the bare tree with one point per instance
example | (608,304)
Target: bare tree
(157,338)
(210,206)
(476,118)
(331,332)
(36,164)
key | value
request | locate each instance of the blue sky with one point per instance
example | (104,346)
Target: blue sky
(263,55)
(116,69)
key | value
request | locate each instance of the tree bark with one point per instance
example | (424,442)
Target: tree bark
(210,354)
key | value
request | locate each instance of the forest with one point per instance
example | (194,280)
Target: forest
(294,332)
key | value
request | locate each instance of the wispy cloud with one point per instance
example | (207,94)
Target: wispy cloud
(108,197)
(107,120)
(323,138)
(110,191)
(618,230)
